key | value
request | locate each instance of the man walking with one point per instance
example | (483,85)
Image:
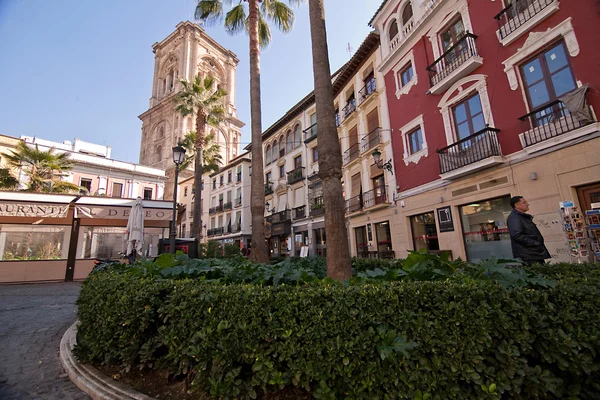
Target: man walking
(526,240)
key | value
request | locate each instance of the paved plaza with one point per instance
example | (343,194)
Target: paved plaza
(33,318)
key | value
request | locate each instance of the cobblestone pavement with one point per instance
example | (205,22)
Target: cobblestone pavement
(33,318)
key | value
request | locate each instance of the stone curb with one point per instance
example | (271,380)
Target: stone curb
(87,378)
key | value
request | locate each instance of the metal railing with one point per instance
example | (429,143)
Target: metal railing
(474,148)
(212,210)
(352,153)
(238,202)
(268,189)
(376,196)
(517,13)
(349,108)
(549,121)
(215,231)
(317,208)
(299,212)
(228,206)
(310,133)
(367,90)
(236,227)
(371,139)
(295,175)
(452,58)
(354,204)
(281,216)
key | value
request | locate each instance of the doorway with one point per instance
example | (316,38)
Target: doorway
(588,195)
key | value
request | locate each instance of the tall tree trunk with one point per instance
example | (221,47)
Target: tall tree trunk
(257,182)
(339,264)
(200,128)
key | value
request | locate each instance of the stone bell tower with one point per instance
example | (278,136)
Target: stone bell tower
(185,53)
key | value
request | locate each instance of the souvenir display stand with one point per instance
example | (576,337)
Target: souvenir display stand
(574,227)
(593,220)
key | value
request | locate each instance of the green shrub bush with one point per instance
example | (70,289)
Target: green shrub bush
(457,338)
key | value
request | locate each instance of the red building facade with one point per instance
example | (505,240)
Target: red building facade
(487,100)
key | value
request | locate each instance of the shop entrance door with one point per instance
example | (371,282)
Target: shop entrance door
(588,194)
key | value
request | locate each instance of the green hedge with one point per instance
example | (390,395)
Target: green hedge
(438,340)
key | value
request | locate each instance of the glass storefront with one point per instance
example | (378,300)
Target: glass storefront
(107,242)
(320,241)
(362,242)
(424,232)
(484,229)
(384,239)
(34,242)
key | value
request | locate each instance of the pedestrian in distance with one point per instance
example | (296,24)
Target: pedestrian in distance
(244,251)
(525,238)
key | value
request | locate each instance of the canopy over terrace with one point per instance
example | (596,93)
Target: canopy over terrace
(45,237)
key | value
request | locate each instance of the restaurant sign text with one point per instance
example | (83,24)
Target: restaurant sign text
(103,212)
(44,210)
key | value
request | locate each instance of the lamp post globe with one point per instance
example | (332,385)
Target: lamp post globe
(178,157)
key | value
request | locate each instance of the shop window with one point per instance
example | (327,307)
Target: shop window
(320,241)
(424,232)
(484,229)
(117,189)
(362,242)
(384,239)
(34,242)
(107,242)
(147,193)
(86,184)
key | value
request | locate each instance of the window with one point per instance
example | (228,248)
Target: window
(451,35)
(229,177)
(221,180)
(274,152)
(384,239)
(313,124)
(86,184)
(393,31)
(297,135)
(406,74)
(185,191)
(239,173)
(282,171)
(147,193)
(117,189)
(407,14)
(268,155)
(468,117)
(298,162)
(414,140)
(548,76)
(379,181)
(424,232)
(35,242)
(159,154)
(315,154)
(281,146)
(268,176)
(214,183)
(289,141)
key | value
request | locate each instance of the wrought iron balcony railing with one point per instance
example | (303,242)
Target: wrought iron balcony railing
(550,121)
(215,231)
(474,148)
(281,216)
(367,90)
(352,153)
(310,133)
(517,13)
(354,204)
(376,196)
(349,108)
(317,207)
(268,189)
(295,175)
(371,139)
(228,206)
(452,58)
(299,212)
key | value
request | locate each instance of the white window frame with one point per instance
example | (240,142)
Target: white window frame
(403,63)
(448,101)
(404,131)
(527,26)
(462,9)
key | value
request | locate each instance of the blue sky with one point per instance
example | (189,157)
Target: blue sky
(83,69)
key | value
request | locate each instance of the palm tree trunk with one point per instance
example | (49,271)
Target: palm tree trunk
(197,211)
(257,183)
(339,264)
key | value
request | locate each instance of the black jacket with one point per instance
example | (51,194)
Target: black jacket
(526,240)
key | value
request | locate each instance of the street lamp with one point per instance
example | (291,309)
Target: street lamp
(178,156)
(380,164)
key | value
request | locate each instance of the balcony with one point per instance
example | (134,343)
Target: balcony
(299,212)
(553,124)
(228,206)
(371,139)
(354,204)
(317,208)
(456,62)
(281,216)
(367,90)
(377,196)
(238,202)
(310,133)
(236,228)
(295,175)
(215,231)
(352,153)
(472,153)
(212,210)
(350,108)
(268,189)
(520,16)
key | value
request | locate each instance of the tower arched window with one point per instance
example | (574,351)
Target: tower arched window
(171,80)
(268,155)
(159,154)
(407,14)
(297,135)
(275,151)
(281,146)
(289,141)
(393,30)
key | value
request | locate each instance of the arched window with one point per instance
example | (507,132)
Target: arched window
(393,31)
(281,146)
(288,141)
(407,14)
(161,132)
(159,154)
(297,140)
(268,155)
(171,80)
(275,151)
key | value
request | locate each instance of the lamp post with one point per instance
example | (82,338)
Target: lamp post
(178,156)
(380,164)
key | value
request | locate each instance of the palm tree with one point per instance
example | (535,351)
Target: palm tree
(248,16)
(45,169)
(7,181)
(339,264)
(211,152)
(200,97)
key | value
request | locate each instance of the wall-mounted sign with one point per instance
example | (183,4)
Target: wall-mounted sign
(444,215)
(43,210)
(104,212)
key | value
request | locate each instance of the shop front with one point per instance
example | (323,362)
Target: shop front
(47,237)
(278,235)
